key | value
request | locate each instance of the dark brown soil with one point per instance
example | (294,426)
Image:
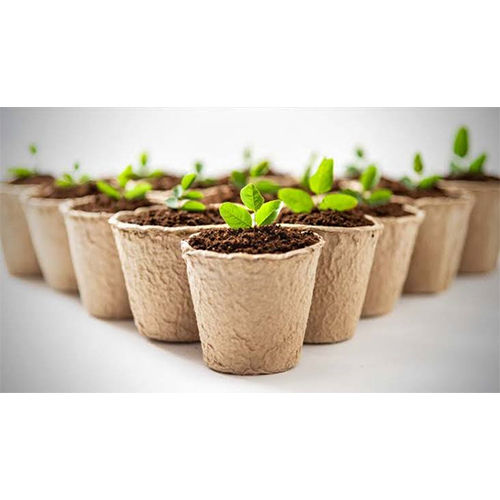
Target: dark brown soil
(348,218)
(401,190)
(257,240)
(104,203)
(469,176)
(33,180)
(164,183)
(60,193)
(175,218)
(387,210)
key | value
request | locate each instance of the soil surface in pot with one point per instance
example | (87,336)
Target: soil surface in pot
(57,192)
(164,182)
(256,240)
(387,210)
(401,190)
(175,218)
(469,176)
(348,218)
(33,180)
(103,203)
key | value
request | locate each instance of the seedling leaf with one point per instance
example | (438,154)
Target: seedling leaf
(156,173)
(108,190)
(476,167)
(187,181)
(360,153)
(461,145)
(33,149)
(239,179)
(418,164)
(355,194)
(407,182)
(321,181)
(193,206)
(429,182)
(138,191)
(178,191)
(235,216)
(21,172)
(268,213)
(338,201)
(455,169)
(260,169)
(172,202)
(296,200)
(369,178)
(193,195)
(125,175)
(353,171)
(268,187)
(379,197)
(198,167)
(251,197)
(143,159)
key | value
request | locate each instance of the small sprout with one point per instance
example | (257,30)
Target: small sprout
(199,167)
(137,192)
(355,169)
(299,201)
(461,144)
(262,214)
(460,162)
(476,167)
(21,172)
(68,180)
(359,152)
(240,178)
(33,149)
(423,183)
(369,178)
(260,169)
(183,198)
(304,180)
(143,170)
(368,194)
(418,165)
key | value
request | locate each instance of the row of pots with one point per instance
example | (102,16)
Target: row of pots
(122,268)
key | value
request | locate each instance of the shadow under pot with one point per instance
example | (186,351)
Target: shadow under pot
(343,271)
(94,254)
(440,239)
(482,243)
(149,246)
(252,308)
(19,254)
(392,255)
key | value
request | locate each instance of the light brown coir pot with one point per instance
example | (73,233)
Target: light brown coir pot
(155,276)
(95,260)
(482,243)
(251,309)
(440,240)
(341,281)
(391,261)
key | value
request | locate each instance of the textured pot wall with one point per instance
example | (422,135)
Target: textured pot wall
(96,262)
(251,310)
(482,243)
(50,240)
(391,262)
(440,240)
(343,272)
(156,279)
(19,254)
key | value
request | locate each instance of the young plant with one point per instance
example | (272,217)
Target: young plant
(24,172)
(368,195)
(460,162)
(203,181)
(183,198)
(68,180)
(257,213)
(421,182)
(143,171)
(241,178)
(355,169)
(304,180)
(121,192)
(321,182)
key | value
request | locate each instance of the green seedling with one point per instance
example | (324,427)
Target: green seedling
(143,171)
(356,168)
(68,180)
(421,182)
(137,192)
(368,195)
(304,180)
(461,163)
(257,213)
(241,178)
(203,181)
(321,182)
(24,172)
(183,198)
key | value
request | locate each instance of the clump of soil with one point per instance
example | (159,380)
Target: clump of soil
(103,203)
(387,210)
(164,183)
(400,189)
(167,217)
(469,176)
(256,240)
(57,192)
(32,180)
(348,218)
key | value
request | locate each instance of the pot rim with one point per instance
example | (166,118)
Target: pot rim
(416,214)
(30,197)
(187,249)
(116,222)
(464,198)
(468,184)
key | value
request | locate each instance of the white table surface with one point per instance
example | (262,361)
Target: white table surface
(447,342)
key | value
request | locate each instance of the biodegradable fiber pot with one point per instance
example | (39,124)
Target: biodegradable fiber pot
(251,309)
(440,240)
(96,262)
(482,243)
(391,261)
(18,250)
(343,272)
(155,276)
(50,240)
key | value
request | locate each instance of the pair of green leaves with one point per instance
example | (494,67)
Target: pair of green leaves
(68,180)
(461,150)
(240,178)
(369,179)
(137,192)
(355,169)
(24,172)
(238,217)
(424,183)
(183,198)
(299,201)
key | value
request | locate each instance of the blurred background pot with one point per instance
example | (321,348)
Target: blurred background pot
(50,240)
(392,259)
(95,260)
(482,243)
(155,276)
(440,240)
(251,309)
